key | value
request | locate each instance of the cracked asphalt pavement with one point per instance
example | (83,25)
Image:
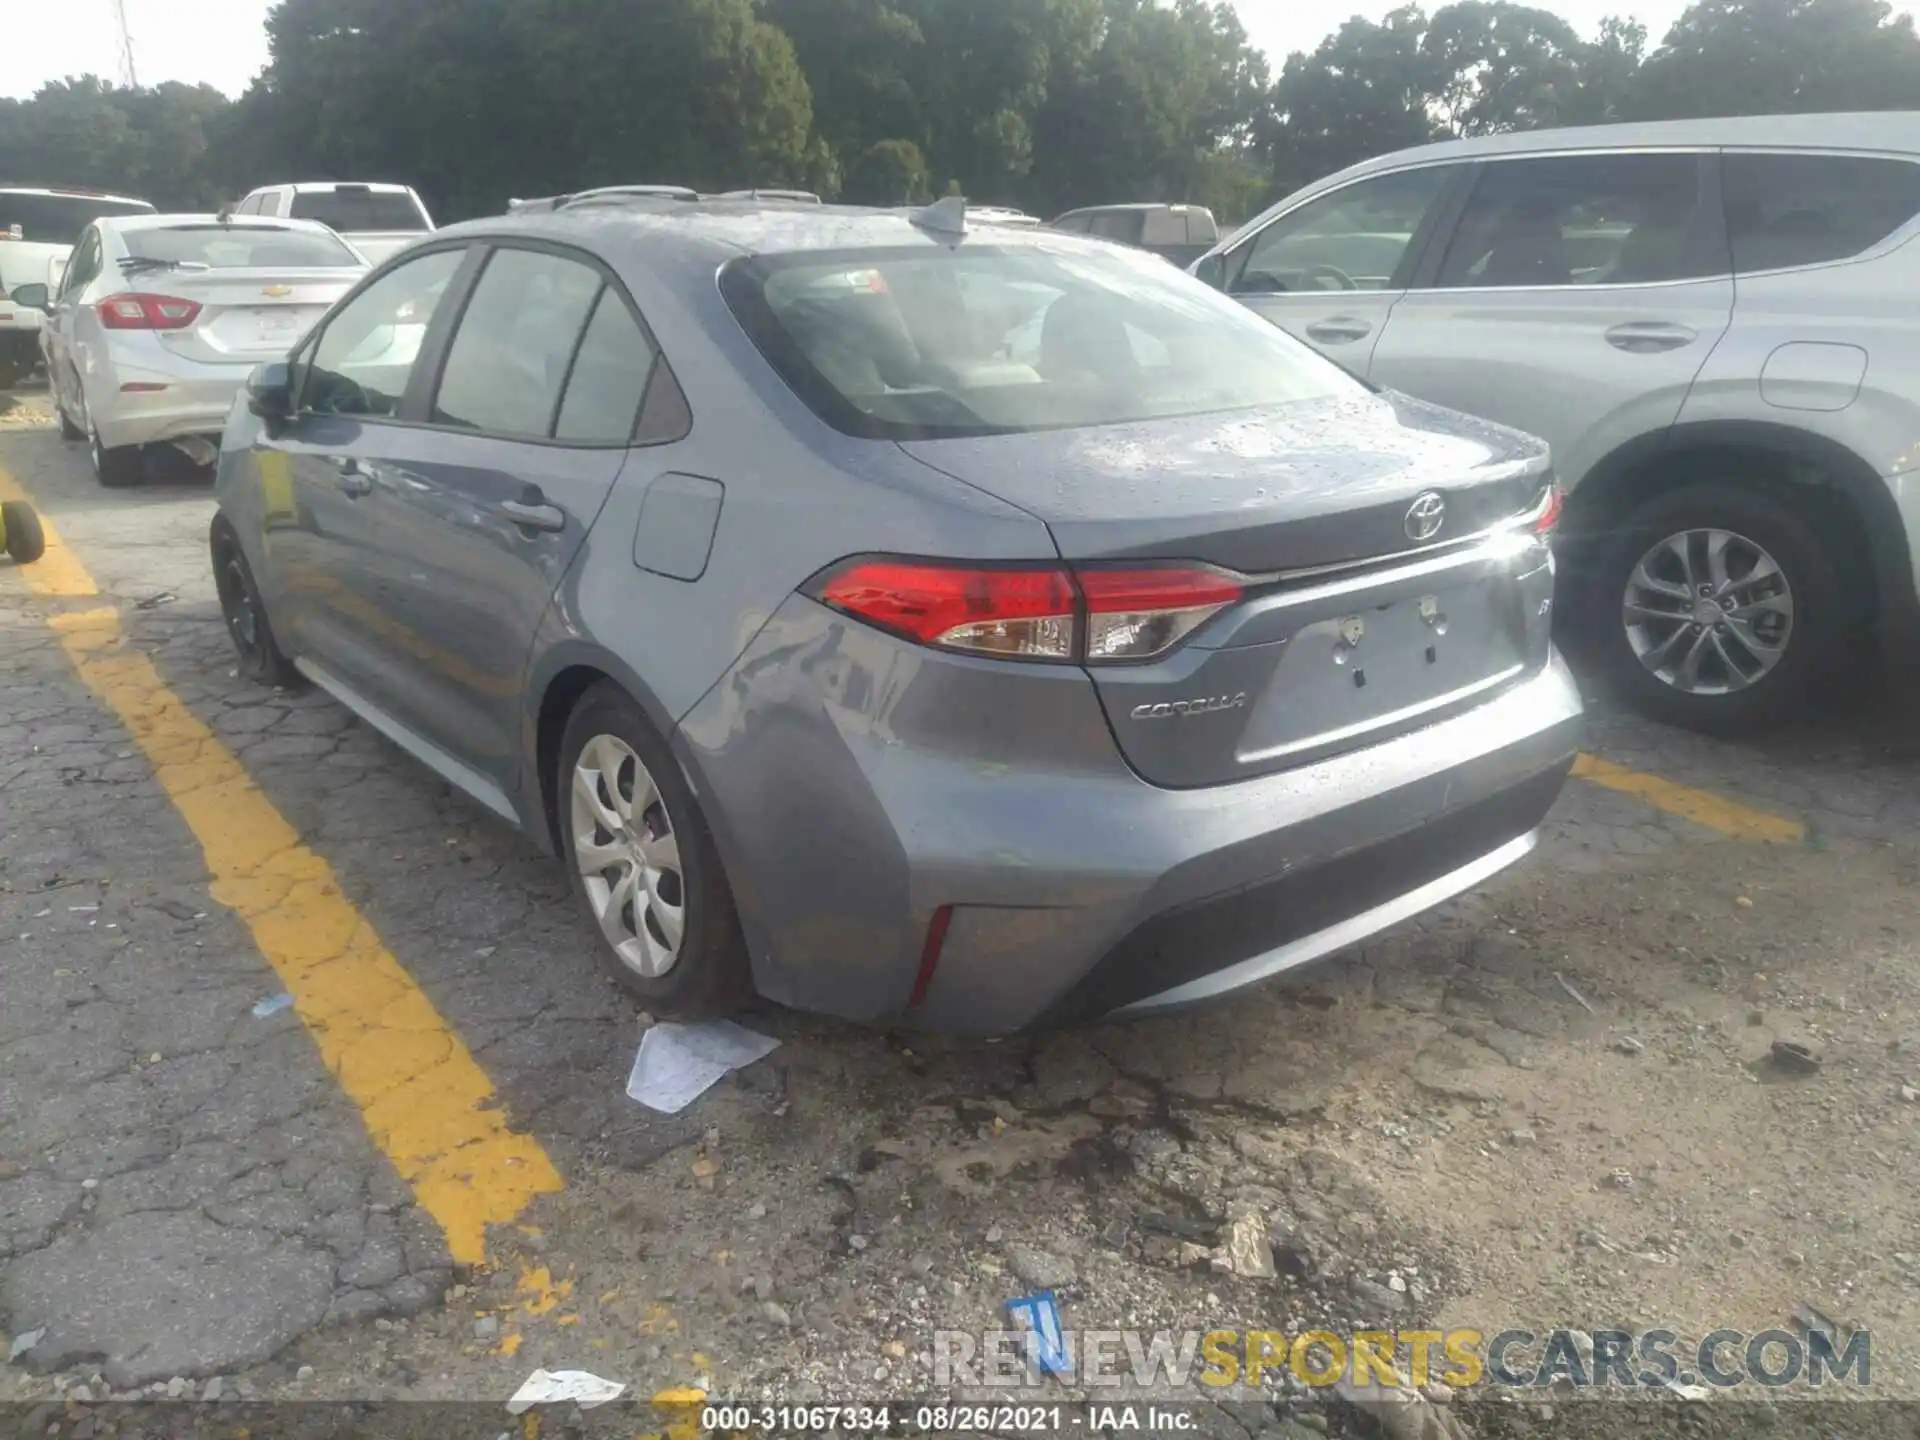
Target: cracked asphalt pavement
(1430,1129)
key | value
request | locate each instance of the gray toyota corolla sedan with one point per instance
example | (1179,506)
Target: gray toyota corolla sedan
(912,620)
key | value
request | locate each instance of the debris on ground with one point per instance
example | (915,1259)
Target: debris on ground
(1627,1045)
(272,1005)
(1401,1413)
(1793,1058)
(678,1063)
(1248,1251)
(154,602)
(557,1387)
(23,1343)
(1567,985)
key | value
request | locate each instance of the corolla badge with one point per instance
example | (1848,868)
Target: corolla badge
(1426,515)
(1206,705)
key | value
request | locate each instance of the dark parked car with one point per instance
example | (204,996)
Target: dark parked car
(844,654)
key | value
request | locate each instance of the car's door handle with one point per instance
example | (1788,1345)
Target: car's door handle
(1650,337)
(534,513)
(1340,330)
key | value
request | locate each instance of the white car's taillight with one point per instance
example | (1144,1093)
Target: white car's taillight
(1097,615)
(133,311)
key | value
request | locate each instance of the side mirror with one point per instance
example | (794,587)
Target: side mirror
(270,391)
(1211,270)
(31,297)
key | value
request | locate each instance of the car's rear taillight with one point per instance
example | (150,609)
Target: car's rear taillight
(133,311)
(1546,512)
(1032,612)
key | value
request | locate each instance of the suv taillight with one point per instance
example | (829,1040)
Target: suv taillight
(146,312)
(1098,615)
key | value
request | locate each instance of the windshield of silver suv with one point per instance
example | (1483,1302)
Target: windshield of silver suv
(913,344)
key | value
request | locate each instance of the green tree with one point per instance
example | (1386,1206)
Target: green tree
(1755,57)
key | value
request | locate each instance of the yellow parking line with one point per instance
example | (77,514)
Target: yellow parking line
(424,1099)
(1702,807)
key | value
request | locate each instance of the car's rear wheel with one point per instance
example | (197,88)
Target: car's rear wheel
(1719,609)
(68,430)
(644,862)
(261,658)
(26,541)
(113,466)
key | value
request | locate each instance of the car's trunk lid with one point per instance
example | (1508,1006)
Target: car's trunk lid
(245,315)
(1362,618)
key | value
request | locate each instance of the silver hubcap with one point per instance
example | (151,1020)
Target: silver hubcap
(1708,611)
(628,855)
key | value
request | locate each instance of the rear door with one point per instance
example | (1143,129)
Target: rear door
(1330,270)
(1577,298)
(524,434)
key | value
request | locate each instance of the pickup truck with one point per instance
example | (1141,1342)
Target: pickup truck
(375,219)
(37,231)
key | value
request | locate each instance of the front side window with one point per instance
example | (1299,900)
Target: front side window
(365,356)
(1352,239)
(1785,210)
(927,342)
(511,355)
(239,247)
(1582,220)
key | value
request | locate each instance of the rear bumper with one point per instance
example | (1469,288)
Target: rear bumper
(852,800)
(195,398)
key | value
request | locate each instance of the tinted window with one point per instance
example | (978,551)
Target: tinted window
(1582,220)
(1352,239)
(240,247)
(366,355)
(1121,225)
(923,343)
(609,377)
(1804,209)
(1075,224)
(516,340)
(84,265)
(59,219)
(351,210)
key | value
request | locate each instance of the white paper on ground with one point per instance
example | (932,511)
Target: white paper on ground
(549,1387)
(677,1064)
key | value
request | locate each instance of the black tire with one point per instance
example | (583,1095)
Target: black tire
(1821,642)
(115,468)
(261,658)
(710,974)
(68,430)
(26,542)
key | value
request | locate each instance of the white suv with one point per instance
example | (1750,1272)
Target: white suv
(1716,323)
(37,232)
(377,220)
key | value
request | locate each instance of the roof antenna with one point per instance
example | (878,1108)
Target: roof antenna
(946,216)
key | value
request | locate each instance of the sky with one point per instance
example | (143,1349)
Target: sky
(221,42)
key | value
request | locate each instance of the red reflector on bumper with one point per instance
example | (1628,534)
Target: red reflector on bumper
(140,387)
(930,954)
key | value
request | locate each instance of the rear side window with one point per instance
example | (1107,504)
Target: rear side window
(1582,220)
(239,247)
(1122,225)
(609,377)
(359,210)
(1785,210)
(510,357)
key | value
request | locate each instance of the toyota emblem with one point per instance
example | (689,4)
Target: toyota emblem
(1426,515)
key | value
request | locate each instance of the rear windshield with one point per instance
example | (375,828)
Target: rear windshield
(359,210)
(58,219)
(923,343)
(241,247)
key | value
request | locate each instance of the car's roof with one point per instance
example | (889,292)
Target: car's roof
(722,229)
(68,193)
(1884,130)
(1174,205)
(130,223)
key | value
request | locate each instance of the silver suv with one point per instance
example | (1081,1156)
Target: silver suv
(1712,321)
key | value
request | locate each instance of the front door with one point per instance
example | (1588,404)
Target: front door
(1330,270)
(57,330)
(525,433)
(1577,298)
(329,565)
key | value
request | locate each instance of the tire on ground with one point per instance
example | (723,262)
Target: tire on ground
(261,658)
